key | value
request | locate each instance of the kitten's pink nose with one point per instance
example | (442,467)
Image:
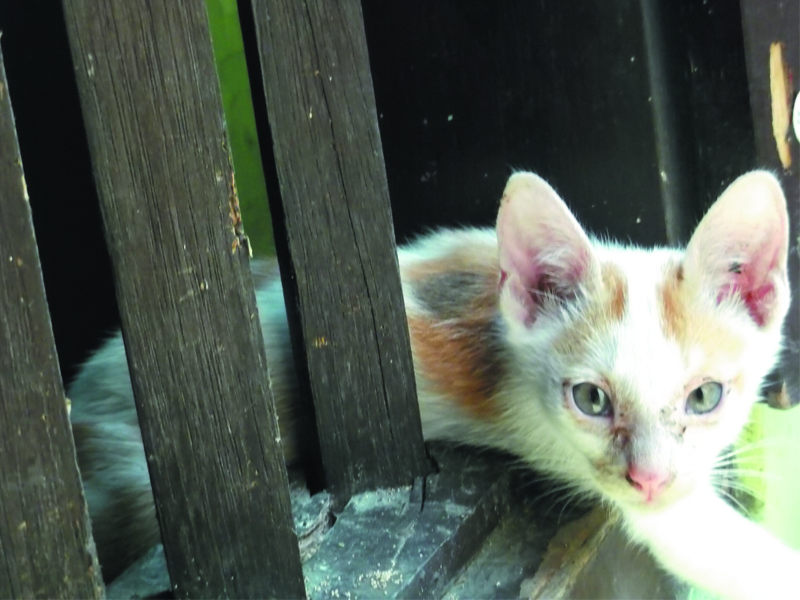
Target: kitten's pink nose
(650,483)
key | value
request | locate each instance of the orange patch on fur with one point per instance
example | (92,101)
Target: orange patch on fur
(673,307)
(455,359)
(455,346)
(687,321)
(604,306)
(616,287)
(453,332)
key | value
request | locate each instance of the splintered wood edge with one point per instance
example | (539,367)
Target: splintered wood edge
(780,93)
(570,551)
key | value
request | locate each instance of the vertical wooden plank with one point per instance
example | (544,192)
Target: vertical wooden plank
(341,247)
(467,92)
(666,71)
(715,87)
(153,114)
(46,549)
(772,49)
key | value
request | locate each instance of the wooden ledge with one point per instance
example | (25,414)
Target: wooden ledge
(472,530)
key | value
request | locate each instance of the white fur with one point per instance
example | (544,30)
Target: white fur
(688,528)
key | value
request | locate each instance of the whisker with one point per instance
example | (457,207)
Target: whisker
(722,485)
(563,508)
(558,490)
(741,506)
(733,473)
(740,460)
(771,442)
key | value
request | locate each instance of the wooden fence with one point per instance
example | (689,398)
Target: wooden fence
(153,115)
(153,118)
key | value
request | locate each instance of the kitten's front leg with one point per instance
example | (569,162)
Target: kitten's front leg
(706,542)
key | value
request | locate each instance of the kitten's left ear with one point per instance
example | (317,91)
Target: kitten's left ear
(741,245)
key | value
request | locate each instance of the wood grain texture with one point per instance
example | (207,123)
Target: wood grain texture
(768,22)
(46,549)
(341,249)
(569,552)
(153,114)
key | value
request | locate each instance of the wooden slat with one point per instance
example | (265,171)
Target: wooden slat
(772,49)
(46,549)
(341,247)
(153,114)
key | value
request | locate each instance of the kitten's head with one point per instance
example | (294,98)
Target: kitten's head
(641,366)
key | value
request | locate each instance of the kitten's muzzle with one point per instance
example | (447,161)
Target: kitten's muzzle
(649,483)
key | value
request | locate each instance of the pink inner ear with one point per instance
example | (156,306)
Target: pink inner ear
(543,250)
(740,247)
(757,296)
(554,265)
(534,279)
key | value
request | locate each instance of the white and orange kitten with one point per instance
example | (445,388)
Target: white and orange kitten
(623,371)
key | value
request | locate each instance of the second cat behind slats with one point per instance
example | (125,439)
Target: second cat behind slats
(625,372)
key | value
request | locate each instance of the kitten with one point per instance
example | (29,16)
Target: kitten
(623,371)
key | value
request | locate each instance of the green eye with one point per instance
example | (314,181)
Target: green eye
(704,399)
(591,400)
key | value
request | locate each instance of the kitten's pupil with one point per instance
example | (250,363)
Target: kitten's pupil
(596,399)
(591,400)
(704,399)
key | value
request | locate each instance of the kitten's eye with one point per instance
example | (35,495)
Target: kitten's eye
(704,399)
(591,400)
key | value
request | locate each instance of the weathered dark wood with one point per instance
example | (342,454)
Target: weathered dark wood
(714,85)
(46,549)
(479,529)
(466,92)
(593,557)
(509,556)
(772,48)
(341,253)
(569,552)
(148,577)
(399,543)
(617,568)
(153,114)
(667,74)
(66,214)
(410,542)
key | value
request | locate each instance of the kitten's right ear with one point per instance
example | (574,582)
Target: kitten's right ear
(543,250)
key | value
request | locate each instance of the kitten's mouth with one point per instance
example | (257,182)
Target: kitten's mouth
(626,493)
(632,499)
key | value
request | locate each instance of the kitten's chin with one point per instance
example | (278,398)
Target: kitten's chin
(628,499)
(643,505)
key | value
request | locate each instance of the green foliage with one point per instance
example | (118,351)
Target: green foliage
(240,122)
